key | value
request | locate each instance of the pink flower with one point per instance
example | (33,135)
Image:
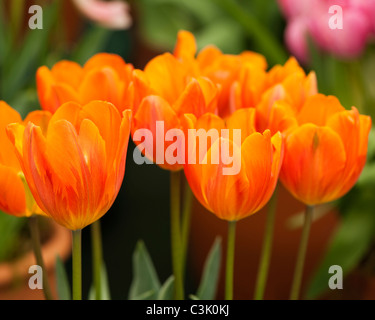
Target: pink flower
(368,8)
(109,14)
(314,19)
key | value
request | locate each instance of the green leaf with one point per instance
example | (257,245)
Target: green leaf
(367,176)
(4,35)
(223,33)
(148,295)
(193,297)
(21,66)
(160,23)
(62,282)
(209,281)
(350,242)
(93,42)
(10,228)
(263,38)
(204,11)
(105,294)
(371,145)
(166,291)
(145,278)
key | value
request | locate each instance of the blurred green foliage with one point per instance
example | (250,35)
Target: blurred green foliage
(233,26)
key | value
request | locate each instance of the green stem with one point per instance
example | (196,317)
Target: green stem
(97,257)
(186,220)
(16,10)
(35,239)
(359,93)
(266,249)
(297,279)
(77,264)
(176,234)
(229,272)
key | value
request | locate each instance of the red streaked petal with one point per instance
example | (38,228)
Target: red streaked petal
(313,164)
(224,194)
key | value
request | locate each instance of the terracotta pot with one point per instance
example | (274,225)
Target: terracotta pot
(14,276)
(250,232)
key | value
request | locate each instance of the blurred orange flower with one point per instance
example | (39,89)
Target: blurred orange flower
(76,168)
(290,85)
(15,196)
(326,151)
(172,85)
(104,77)
(252,163)
(164,91)
(224,70)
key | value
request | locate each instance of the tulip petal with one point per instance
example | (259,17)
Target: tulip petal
(257,158)
(48,97)
(108,60)
(197,98)
(353,129)
(7,115)
(313,164)
(12,193)
(279,73)
(206,56)
(93,148)
(167,76)
(264,108)
(298,88)
(60,174)
(318,108)
(156,115)
(40,119)
(67,72)
(224,194)
(281,118)
(122,149)
(108,120)
(243,120)
(254,59)
(102,84)
(69,111)
(200,140)
(63,93)
(186,46)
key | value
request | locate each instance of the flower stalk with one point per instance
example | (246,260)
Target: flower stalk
(77,264)
(230,260)
(177,257)
(36,243)
(97,257)
(266,249)
(297,278)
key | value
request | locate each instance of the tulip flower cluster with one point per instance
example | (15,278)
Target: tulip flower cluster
(70,158)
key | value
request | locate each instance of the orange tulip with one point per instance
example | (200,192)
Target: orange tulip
(224,70)
(285,91)
(252,162)
(192,83)
(75,169)
(326,152)
(103,77)
(166,101)
(15,196)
